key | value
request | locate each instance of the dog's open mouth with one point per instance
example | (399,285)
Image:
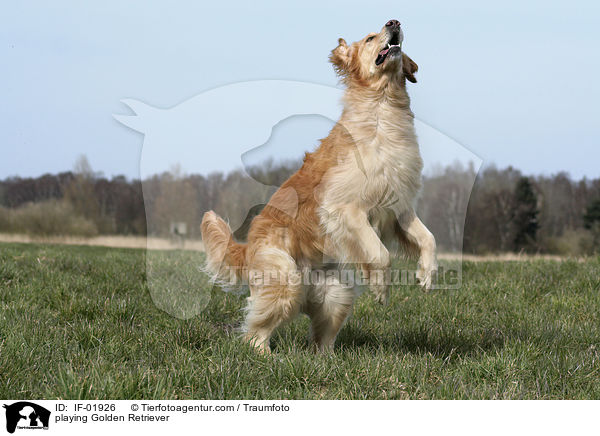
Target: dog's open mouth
(393,46)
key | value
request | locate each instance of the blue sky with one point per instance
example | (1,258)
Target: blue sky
(515,82)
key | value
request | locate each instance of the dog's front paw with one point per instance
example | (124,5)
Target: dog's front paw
(381,292)
(427,277)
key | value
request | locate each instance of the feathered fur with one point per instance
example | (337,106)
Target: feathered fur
(357,189)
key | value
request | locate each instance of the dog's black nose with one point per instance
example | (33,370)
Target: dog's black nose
(392,23)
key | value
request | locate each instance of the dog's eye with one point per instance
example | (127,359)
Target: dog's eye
(369,39)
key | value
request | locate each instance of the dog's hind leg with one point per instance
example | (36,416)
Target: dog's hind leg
(276,294)
(328,306)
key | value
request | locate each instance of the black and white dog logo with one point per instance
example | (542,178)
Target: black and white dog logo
(26,415)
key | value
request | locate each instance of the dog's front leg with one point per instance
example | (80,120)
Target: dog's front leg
(355,241)
(423,238)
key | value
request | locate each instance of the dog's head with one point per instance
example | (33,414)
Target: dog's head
(375,59)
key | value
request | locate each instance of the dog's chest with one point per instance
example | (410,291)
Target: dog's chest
(375,174)
(381,167)
(391,168)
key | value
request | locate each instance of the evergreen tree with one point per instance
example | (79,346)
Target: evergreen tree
(525,214)
(592,214)
(591,221)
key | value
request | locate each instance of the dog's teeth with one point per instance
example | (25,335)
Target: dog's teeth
(389,45)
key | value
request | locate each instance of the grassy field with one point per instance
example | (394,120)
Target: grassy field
(79,323)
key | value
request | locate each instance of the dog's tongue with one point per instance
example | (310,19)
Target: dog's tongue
(381,56)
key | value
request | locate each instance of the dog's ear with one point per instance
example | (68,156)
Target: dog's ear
(340,57)
(409,68)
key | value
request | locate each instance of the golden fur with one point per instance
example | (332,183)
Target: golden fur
(357,188)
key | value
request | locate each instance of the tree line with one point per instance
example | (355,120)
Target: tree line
(496,210)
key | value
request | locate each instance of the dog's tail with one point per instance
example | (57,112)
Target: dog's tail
(225,258)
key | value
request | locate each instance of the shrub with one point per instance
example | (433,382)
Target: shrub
(579,242)
(51,217)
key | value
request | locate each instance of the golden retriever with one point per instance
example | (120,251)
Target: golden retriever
(358,187)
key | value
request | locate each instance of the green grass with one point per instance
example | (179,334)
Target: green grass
(79,323)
